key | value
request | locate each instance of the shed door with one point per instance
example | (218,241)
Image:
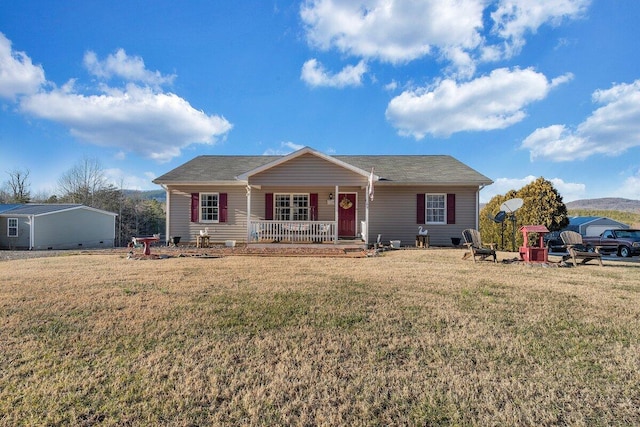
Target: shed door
(347,214)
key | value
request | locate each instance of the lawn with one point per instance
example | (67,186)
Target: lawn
(408,338)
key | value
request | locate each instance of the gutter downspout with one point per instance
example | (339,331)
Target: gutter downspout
(167,225)
(32,240)
(248,213)
(335,214)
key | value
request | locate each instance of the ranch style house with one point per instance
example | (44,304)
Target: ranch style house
(308,196)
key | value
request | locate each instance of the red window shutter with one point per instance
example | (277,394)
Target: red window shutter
(223,207)
(420,212)
(195,207)
(313,203)
(268,206)
(451,208)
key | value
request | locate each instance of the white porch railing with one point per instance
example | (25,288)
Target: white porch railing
(292,231)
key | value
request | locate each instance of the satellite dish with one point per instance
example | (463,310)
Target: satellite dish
(511,205)
(499,218)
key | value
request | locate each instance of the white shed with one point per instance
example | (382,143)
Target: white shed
(55,226)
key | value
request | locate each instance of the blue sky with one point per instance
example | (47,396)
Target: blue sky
(517,89)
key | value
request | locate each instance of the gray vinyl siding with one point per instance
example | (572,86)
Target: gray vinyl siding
(308,170)
(180,214)
(20,242)
(392,214)
(78,228)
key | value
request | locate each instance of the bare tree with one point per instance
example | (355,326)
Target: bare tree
(82,183)
(18,186)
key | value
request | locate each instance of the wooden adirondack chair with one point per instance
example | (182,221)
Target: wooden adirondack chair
(475,247)
(576,249)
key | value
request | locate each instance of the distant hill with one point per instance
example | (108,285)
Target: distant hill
(605,204)
(623,210)
(159,195)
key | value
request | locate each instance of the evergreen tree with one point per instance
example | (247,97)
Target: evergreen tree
(542,205)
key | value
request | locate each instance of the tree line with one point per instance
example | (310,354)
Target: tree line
(85,183)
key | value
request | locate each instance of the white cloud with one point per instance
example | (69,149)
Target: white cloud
(141,119)
(568,190)
(130,68)
(399,31)
(125,180)
(285,148)
(610,130)
(495,101)
(513,19)
(156,125)
(314,74)
(392,31)
(18,75)
(630,188)
(391,86)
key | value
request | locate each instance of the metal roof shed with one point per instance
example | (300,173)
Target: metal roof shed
(55,226)
(593,225)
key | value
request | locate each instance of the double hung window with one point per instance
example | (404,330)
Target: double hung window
(436,208)
(209,207)
(12,227)
(291,207)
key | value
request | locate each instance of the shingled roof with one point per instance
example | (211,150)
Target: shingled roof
(400,169)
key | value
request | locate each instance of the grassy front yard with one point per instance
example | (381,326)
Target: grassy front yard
(409,338)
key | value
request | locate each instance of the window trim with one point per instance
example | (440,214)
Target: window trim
(14,227)
(291,206)
(201,198)
(443,209)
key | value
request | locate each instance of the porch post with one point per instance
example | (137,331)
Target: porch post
(335,214)
(248,213)
(366,218)
(167,226)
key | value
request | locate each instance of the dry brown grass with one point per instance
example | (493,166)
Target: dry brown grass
(409,338)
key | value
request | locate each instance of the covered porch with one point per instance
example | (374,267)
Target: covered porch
(307,216)
(307,197)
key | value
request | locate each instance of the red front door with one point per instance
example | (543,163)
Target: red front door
(347,214)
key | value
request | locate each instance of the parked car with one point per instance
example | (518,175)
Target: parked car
(554,243)
(624,242)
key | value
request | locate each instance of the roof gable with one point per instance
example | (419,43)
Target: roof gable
(303,151)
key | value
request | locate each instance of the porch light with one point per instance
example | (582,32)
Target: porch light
(330,196)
